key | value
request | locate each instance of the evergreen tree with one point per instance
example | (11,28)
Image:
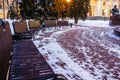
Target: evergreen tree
(35,9)
(75,9)
(59,6)
(79,9)
(43,9)
(27,9)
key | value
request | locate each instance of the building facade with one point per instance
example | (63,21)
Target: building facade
(98,7)
(4,7)
(103,7)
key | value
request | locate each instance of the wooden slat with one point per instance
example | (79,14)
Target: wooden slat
(4,54)
(9,36)
(62,23)
(50,23)
(20,27)
(34,24)
(29,64)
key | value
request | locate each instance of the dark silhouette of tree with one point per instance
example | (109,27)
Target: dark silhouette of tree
(75,9)
(27,9)
(44,9)
(60,8)
(31,9)
(79,9)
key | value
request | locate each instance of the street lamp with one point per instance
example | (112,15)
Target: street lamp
(68,0)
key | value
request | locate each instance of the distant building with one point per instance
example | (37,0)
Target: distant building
(98,7)
(102,7)
(4,7)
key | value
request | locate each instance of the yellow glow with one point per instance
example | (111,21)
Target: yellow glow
(68,0)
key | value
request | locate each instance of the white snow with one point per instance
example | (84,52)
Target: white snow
(93,23)
(57,55)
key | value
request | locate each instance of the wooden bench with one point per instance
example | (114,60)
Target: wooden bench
(50,23)
(20,27)
(26,62)
(34,26)
(5,49)
(21,31)
(62,23)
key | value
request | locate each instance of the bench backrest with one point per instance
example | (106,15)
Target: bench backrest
(4,53)
(9,35)
(62,23)
(34,24)
(20,27)
(50,23)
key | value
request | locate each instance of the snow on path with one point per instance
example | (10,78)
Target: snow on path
(94,51)
(63,61)
(60,62)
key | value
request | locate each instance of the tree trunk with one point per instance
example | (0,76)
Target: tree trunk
(75,20)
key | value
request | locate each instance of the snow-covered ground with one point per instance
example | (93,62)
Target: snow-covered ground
(95,23)
(87,51)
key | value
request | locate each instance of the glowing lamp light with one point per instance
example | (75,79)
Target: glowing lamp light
(68,0)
